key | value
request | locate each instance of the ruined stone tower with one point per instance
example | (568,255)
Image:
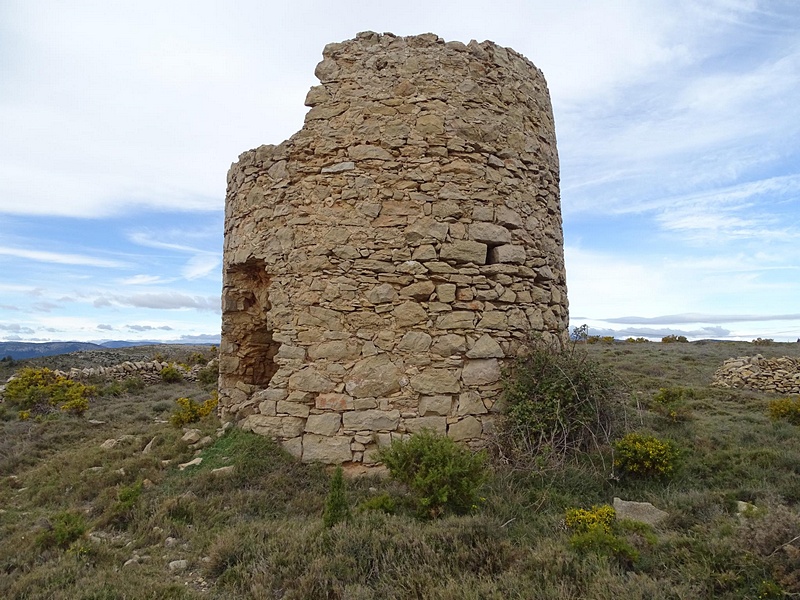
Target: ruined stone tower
(381,263)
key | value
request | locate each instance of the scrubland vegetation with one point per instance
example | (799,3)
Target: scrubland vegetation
(531,517)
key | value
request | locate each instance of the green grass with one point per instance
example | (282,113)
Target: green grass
(81,522)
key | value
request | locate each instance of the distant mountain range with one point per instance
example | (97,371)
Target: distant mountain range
(20,350)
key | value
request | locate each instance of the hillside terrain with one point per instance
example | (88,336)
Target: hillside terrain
(99,507)
(22,350)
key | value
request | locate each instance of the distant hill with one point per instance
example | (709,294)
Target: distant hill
(21,350)
(18,350)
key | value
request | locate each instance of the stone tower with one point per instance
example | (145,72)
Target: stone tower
(381,263)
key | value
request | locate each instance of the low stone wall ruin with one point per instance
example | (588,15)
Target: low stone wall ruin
(148,371)
(778,375)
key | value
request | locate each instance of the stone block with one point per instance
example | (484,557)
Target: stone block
(435,381)
(489,233)
(432,423)
(371,420)
(458,319)
(446,292)
(470,403)
(409,314)
(464,251)
(508,218)
(468,428)
(415,341)
(435,405)
(420,290)
(485,347)
(368,152)
(310,380)
(280,427)
(373,377)
(294,409)
(508,253)
(294,446)
(481,371)
(449,344)
(335,350)
(329,450)
(382,294)
(325,424)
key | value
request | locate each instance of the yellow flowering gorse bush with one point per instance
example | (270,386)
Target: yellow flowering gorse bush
(786,409)
(597,517)
(644,455)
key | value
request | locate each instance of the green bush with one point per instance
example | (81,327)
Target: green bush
(672,402)
(207,376)
(171,374)
(638,340)
(336,507)
(133,384)
(189,411)
(196,358)
(600,541)
(442,476)
(65,528)
(671,339)
(785,409)
(39,391)
(644,455)
(383,503)
(121,512)
(557,403)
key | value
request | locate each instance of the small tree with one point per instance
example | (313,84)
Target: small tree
(336,507)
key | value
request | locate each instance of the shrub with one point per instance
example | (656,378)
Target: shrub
(133,384)
(785,409)
(336,507)
(114,388)
(763,342)
(600,541)
(171,374)
(644,455)
(638,340)
(383,503)
(41,390)
(196,358)
(582,520)
(441,475)
(65,528)
(121,512)
(671,402)
(208,376)
(189,411)
(671,339)
(556,403)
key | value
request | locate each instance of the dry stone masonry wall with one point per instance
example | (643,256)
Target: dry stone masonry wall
(779,375)
(381,263)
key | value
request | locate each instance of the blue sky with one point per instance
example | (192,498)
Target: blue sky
(678,125)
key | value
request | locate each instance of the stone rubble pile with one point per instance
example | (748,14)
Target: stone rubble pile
(381,263)
(779,375)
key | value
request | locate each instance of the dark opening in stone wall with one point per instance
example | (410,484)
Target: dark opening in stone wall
(246,300)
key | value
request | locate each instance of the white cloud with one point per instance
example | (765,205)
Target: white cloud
(62,259)
(160,300)
(142,280)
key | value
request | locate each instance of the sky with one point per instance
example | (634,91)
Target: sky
(678,126)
